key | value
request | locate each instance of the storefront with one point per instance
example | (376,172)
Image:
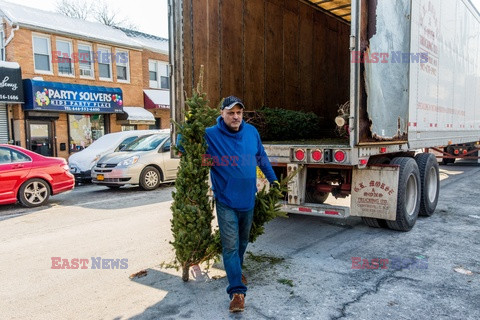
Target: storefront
(11,94)
(62,118)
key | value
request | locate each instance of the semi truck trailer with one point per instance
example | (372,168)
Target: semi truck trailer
(409,70)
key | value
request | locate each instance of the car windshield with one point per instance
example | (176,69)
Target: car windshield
(146,143)
(106,140)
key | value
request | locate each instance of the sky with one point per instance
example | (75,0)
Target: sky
(150,16)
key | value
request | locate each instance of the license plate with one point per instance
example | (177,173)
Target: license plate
(100,177)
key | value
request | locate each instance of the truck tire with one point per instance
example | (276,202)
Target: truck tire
(316,197)
(408,195)
(446,161)
(150,178)
(429,181)
(374,222)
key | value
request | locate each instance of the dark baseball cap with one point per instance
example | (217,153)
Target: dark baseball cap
(230,101)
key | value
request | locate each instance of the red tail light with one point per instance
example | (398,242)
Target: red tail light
(299,154)
(455,151)
(317,155)
(339,156)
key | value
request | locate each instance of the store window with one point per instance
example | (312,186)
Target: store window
(129,128)
(85,61)
(64,55)
(41,53)
(104,64)
(84,129)
(157,125)
(158,74)
(123,72)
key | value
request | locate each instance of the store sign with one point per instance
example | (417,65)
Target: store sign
(11,88)
(71,98)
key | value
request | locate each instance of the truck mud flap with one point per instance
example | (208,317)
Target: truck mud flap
(374,192)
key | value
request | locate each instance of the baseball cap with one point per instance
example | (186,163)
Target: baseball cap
(230,101)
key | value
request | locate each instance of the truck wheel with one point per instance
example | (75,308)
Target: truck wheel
(446,161)
(316,197)
(34,193)
(150,178)
(408,198)
(429,181)
(374,222)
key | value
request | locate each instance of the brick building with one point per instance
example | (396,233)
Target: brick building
(81,80)
(156,75)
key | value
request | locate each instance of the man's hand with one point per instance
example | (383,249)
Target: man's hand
(275,185)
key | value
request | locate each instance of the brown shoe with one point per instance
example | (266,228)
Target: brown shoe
(237,304)
(244,280)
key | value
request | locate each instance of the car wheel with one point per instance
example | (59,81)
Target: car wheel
(150,178)
(34,193)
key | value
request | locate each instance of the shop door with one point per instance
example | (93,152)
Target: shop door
(40,137)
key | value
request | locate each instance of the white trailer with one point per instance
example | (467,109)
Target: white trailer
(410,70)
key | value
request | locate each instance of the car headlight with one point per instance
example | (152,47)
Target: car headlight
(128,162)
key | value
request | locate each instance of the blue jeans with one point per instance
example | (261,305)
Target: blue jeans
(234,228)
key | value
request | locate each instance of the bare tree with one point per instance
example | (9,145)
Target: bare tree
(97,11)
(75,8)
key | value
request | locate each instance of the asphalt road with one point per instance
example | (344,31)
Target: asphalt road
(303,267)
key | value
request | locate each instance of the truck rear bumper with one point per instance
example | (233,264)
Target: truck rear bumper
(313,209)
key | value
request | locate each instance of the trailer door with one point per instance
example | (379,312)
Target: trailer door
(380,63)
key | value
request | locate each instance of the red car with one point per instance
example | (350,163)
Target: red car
(31,178)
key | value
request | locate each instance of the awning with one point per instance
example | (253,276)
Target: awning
(11,88)
(135,115)
(156,99)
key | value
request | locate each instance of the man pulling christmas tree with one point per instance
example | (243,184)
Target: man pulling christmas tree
(232,150)
(235,150)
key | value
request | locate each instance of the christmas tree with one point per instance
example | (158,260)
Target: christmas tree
(194,242)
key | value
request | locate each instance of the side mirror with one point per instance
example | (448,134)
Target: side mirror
(166,148)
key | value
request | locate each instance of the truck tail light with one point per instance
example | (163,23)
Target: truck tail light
(456,151)
(317,155)
(299,154)
(339,156)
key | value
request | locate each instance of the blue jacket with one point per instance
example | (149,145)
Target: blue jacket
(234,157)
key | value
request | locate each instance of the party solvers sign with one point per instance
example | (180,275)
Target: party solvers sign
(71,98)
